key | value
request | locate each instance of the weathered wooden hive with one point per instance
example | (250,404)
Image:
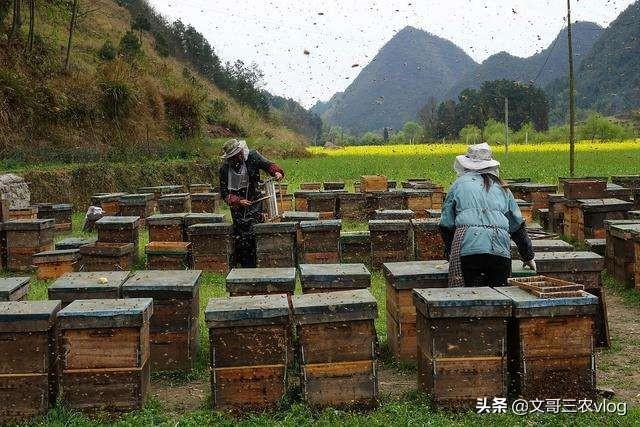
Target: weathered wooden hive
(261,281)
(109,202)
(119,229)
(628,181)
(551,350)
(373,183)
(53,264)
(141,205)
(320,242)
(535,193)
(333,185)
(390,214)
(276,244)
(384,200)
(174,326)
(25,238)
(161,190)
(202,218)
(526,208)
(104,354)
(620,256)
(205,202)
(14,288)
(295,216)
(285,202)
(352,206)
(311,186)
(355,247)
(200,188)
(556,212)
(27,213)
(598,246)
(421,200)
(87,285)
(401,279)
(323,202)
(615,191)
(582,188)
(166,227)
(584,218)
(169,256)
(250,339)
(212,246)
(584,268)
(427,238)
(462,342)
(301,199)
(45,210)
(62,216)
(333,277)
(101,256)
(174,203)
(543,245)
(338,347)
(391,241)
(28,359)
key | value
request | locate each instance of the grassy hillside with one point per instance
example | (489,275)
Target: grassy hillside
(116,102)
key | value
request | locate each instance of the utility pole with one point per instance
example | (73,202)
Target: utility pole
(506,125)
(572,112)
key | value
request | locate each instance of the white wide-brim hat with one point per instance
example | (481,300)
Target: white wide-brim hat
(479,157)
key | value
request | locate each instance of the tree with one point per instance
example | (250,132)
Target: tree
(428,116)
(5,6)
(446,118)
(16,22)
(130,45)
(32,23)
(72,27)
(412,131)
(385,134)
(108,51)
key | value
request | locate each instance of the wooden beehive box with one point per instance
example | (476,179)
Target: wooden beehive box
(169,255)
(584,268)
(174,203)
(352,206)
(612,243)
(62,217)
(526,210)
(109,202)
(551,351)
(173,330)
(276,244)
(285,202)
(199,188)
(87,286)
(14,288)
(166,227)
(104,354)
(211,246)
(401,279)
(355,247)
(434,213)
(282,188)
(598,246)
(387,214)
(28,359)
(421,200)
(427,238)
(392,184)
(161,190)
(295,216)
(333,185)
(629,181)
(388,200)
(205,202)
(373,183)
(556,212)
(53,264)
(29,213)
(462,341)
(301,199)
(320,242)
(323,202)
(621,254)
(119,229)
(535,193)
(333,277)
(391,241)
(261,281)
(311,186)
(25,238)
(615,191)
(107,257)
(581,188)
(45,211)
(141,205)
(202,218)
(250,339)
(543,245)
(338,347)
(74,242)
(584,218)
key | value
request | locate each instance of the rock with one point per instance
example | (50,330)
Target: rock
(15,190)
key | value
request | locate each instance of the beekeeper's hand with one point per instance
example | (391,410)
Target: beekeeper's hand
(245,202)
(531,264)
(278,176)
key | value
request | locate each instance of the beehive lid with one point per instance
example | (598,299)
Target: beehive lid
(56,256)
(461,302)
(13,288)
(304,193)
(394,214)
(321,225)
(388,194)
(29,224)
(531,187)
(355,237)
(427,223)
(247,310)
(416,274)
(165,281)
(44,206)
(357,196)
(333,183)
(107,249)
(171,219)
(139,197)
(119,222)
(334,276)
(167,248)
(321,195)
(339,306)
(608,223)
(526,304)
(106,313)
(523,203)
(106,197)
(595,243)
(261,280)
(635,215)
(28,316)
(300,216)
(556,197)
(625,231)
(519,270)
(418,192)
(389,225)
(161,189)
(200,185)
(204,196)
(275,228)
(74,242)
(560,262)
(89,281)
(434,213)
(222,228)
(547,245)
(174,196)
(203,218)
(604,205)
(62,207)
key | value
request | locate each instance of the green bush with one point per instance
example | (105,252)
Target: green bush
(370,138)
(217,110)
(108,51)
(470,134)
(117,99)
(130,45)
(603,128)
(494,132)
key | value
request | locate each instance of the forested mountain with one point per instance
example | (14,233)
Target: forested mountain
(412,67)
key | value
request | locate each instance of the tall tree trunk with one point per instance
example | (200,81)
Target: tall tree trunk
(72,27)
(32,23)
(16,21)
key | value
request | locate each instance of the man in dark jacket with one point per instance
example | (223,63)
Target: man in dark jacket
(239,180)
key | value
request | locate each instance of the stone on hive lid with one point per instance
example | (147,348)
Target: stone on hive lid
(87,281)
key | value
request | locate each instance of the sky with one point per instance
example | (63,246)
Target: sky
(310,49)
